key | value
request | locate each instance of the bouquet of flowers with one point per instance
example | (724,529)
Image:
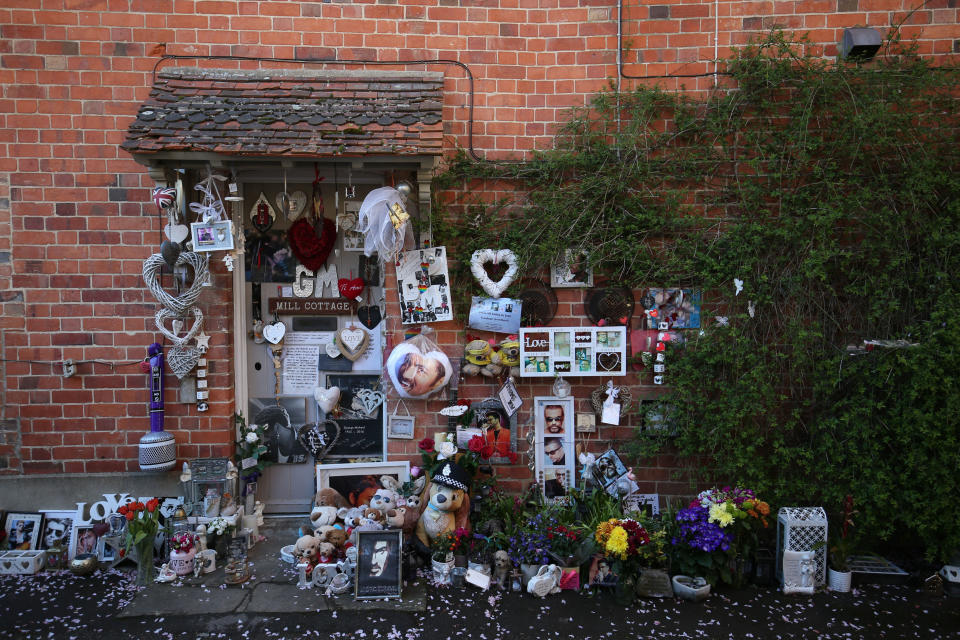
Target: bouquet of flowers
(530,544)
(143,521)
(251,444)
(219,529)
(449,543)
(183,541)
(624,542)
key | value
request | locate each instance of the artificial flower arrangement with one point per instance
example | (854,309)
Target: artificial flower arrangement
(143,521)
(714,529)
(251,445)
(219,530)
(183,542)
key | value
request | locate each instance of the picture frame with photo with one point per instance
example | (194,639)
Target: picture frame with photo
(424,291)
(608,469)
(212,236)
(492,420)
(379,572)
(23,530)
(357,482)
(554,455)
(572,270)
(57,526)
(283,416)
(361,435)
(85,538)
(400,427)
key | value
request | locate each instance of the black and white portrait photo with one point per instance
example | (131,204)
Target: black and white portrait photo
(379,570)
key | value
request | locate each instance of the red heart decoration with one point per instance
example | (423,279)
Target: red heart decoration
(309,248)
(350,288)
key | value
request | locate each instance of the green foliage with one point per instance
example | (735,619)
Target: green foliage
(832,190)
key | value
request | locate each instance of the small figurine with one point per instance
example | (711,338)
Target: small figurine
(166,574)
(501,568)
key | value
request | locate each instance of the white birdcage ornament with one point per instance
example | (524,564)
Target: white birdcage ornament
(803,529)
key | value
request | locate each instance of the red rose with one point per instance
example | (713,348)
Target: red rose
(486,451)
(475,444)
(129,515)
(512,456)
(426,445)
(463,402)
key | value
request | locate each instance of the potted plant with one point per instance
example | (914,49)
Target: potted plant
(529,545)
(442,550)
(839,575)
(183,550)
(219,532)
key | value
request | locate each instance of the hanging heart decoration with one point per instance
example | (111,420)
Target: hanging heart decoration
(367,400)
(166,314)
(597,396)
(176,232)
(483,256)
(262,214)
(181,359)
(273,333)
(327,399)
(310,249)
(369,315)
(350,288)
(353,342)
(170,252)
(608,361)
(179,304)
(319,438)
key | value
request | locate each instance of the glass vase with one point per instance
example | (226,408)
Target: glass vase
(144,564)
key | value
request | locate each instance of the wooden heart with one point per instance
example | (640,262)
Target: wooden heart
(291,204)
(369,315)
(166,314)
(481,257)
(181,359)
(350,288)
(352,342)
(369,400)
(273,333)
(176,232)
(319,438)
(327,399)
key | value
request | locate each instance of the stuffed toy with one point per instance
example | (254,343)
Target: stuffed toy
(395,518)
(501,568)
(327,553)
(478,354)
(385,498)
(337,536)
(330,498)
(370,513)
(350,516)
(546,581)
(446,505)
(306,550)
(507,356)
(322,517)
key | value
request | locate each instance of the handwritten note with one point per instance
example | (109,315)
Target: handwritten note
(300,369)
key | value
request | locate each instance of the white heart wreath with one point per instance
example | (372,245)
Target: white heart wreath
(482,256)
(165,314)
(181,303)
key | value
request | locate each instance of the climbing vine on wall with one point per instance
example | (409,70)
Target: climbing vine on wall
(832,190)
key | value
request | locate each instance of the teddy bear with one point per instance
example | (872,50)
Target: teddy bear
(351,517)
(501,568)
(337,536)
(386,497)
(374,515)
(447,504)
(327,503)
(306,551)
(507,356)
(395,517)
(477,353)
(327,553)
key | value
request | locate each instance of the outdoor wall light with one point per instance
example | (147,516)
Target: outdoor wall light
(860,43)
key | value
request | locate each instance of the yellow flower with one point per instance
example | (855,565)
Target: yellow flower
(618,544)
(720,515)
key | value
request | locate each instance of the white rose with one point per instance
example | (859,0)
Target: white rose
(446,450)
(252,437)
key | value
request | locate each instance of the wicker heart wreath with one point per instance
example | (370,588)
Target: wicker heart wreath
(482,256)
(178,304)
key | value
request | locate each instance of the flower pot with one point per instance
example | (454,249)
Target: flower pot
(181,562)
(688,588)
(442,569)
(839,580)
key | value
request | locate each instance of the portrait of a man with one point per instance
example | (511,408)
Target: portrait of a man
(378,564)
(553,450)
(553,418)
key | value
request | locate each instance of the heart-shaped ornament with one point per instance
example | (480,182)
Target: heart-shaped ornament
(353,342)
(483,256)
(608,361)
(369,315)
(327,399)
(273,333)
(262,214)
(350,288)
(319,438)
(176,232)
(368,400)
(165,314)
(181,359)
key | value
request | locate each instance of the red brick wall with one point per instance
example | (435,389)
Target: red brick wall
(75,223)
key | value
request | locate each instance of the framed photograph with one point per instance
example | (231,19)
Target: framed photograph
(643,503)
(57,526)
(400,427)
(86,538)
(358,482)
(546,352)
(554,445)
(679,308)
(379,572)
(572,270)
(492,420)
(608,470)
(23,530)
(361,435)
(212,236)
(601,574)
(423,285)
(347,222)
(105,552)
